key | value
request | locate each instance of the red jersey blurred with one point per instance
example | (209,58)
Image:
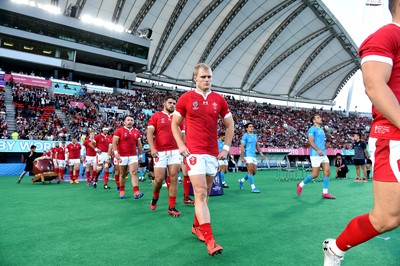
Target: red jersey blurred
(103,142)
(74,150)
(61,153)
(89,150)
(383,46)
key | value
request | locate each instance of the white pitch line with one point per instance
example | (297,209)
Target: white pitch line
(384,238)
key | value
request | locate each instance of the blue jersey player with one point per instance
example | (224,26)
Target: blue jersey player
(248,148)
(316,140)
(223,164)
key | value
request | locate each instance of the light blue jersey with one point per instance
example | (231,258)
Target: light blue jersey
(220,145)
(250,142)
(319,139)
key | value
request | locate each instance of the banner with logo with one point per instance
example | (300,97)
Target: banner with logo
(22,146)
(29,80)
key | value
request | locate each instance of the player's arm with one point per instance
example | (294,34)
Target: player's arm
(229,129)
(140,149)
(91,144)
(312,144)
(376,76)
(150,141)
(115,142)
(110,149)
(258,148)
(67,155)
(177,133)
(242,147)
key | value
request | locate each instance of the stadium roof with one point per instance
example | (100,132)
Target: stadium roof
(280,49)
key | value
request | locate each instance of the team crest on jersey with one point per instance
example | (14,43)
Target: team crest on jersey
(162,120)
(195,105)
(193,160)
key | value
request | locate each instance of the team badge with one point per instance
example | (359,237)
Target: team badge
(193,160)
(162,120)
(195,105)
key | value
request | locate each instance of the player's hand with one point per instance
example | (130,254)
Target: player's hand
(263,156)
(98,152)
(222,154)
(320,153)
(154,153)
(184,151)
(243,160)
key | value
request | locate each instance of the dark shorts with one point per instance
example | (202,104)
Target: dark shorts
(359,161)
(369,161)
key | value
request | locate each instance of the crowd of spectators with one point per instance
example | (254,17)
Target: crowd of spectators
(35,115)
(276,126)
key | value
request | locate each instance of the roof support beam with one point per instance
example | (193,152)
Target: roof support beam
(117,11)
(267,44)
(323,76)
(308,61)
(166,32)
(141,15)
(190,30)
(232,14)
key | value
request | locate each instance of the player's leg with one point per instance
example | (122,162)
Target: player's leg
(21,176)
(327,172)
(252,168)
(106,173)
(364,169)
(133,170)
(385,216)
(123,167)
(186,185)
(77,166)
(173,170)
(358,172)
(159,175)
(315,164)
(222,170)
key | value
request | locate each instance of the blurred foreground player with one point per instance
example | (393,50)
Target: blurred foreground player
(380,63)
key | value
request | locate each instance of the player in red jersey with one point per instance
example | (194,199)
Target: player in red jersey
(90,159)
(202,108)
(380,63)
(61,160)
(55,160)
(103,149)
(125,141)
(165,153)
(72,156)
